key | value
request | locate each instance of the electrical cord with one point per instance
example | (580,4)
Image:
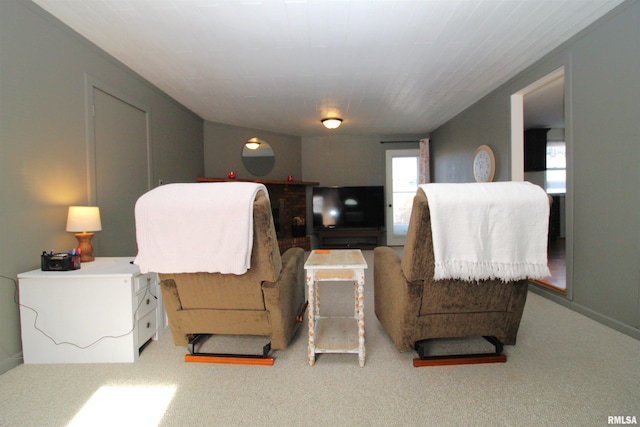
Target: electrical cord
(81,347)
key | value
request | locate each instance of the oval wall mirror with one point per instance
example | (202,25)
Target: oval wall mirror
(258,156)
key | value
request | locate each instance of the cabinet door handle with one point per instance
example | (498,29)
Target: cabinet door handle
(148,301)
(148,325)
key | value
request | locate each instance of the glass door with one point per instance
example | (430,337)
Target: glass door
(401,186)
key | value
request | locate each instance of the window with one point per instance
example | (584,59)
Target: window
(405,185)
(555,179)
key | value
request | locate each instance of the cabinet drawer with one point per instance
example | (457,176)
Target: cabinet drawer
(146,327)
(145,302)
(143,281)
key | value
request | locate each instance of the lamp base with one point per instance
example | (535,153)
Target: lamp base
(85,247)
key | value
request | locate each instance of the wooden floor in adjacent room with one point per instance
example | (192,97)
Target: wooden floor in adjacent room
(556,259)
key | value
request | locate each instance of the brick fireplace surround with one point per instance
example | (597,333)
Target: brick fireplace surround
(289,201)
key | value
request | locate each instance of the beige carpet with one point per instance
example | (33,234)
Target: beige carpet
(565,370)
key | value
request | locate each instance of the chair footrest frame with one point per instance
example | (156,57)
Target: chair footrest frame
(459,359)
(228,358)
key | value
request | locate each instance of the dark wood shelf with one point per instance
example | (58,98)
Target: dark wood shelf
(345,238)
(260,181)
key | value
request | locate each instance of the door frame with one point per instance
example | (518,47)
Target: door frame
(517,152)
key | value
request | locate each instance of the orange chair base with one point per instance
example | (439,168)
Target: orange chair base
(459,359)
(417,363)
(263,361)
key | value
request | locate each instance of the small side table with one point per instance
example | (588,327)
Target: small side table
(335,334)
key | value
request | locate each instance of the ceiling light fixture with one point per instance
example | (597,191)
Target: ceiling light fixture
(253,143)
(331,123)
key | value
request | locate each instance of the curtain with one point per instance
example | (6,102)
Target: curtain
(423,162)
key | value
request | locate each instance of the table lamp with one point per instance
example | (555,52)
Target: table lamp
(83,220)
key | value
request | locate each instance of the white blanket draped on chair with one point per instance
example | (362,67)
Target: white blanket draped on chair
(191,228)
(489,230)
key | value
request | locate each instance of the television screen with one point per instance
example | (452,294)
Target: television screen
(348,207)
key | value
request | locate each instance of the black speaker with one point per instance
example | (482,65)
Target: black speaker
(59,262)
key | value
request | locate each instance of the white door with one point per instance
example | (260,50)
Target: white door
(401,186)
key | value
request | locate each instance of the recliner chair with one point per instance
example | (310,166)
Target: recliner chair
(268,300)
(413,307)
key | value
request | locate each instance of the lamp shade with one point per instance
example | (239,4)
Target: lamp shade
(331,123)
(83,219)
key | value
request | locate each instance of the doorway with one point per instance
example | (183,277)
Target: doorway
(119,166)
(542,109)
(402,177)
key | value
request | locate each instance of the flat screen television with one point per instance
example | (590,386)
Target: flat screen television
(348,207)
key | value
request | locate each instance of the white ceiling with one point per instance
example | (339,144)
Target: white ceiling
(384,66)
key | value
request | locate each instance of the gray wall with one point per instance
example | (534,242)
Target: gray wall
(349,160)
(331,160)
(223,148)
(603,139)
(453,144)
(43,165)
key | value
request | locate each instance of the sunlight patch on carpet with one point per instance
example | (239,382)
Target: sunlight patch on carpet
(125,405)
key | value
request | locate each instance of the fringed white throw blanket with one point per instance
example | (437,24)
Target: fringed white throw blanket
(489,230)
(199,227)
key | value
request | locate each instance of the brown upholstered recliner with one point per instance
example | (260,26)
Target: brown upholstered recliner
(268,300)
(412,306)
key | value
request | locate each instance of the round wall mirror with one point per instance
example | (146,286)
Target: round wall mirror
(258,157)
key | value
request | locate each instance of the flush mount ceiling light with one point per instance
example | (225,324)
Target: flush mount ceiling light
(331,123)
(253,143)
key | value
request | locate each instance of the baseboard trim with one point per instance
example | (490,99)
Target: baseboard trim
(585,311)
(11,362)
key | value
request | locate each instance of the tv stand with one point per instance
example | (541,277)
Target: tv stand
(349,238)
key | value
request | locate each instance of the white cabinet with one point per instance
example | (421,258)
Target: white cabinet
(104,312)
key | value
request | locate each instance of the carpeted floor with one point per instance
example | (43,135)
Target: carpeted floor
(565,370)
